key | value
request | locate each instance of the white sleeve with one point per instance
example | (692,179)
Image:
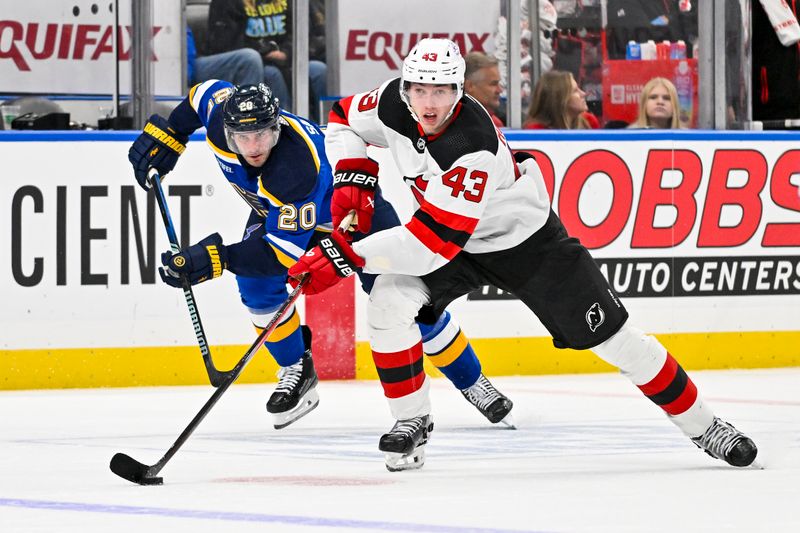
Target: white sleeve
(453,203)
(353,125)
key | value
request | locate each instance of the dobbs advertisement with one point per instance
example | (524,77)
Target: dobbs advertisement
(700,233)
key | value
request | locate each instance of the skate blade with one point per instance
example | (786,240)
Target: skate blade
(397,462)
(307,403)
(507,422)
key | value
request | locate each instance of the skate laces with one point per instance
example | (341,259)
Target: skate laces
(719,439)
(408,427)
(482,394)
(289,377)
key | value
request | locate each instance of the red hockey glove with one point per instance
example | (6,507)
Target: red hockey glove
(354,183)
(326,264)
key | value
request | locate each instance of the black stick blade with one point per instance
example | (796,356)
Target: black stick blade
(129,468)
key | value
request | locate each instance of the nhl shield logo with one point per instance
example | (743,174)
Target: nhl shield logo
(595,316)
(421,144)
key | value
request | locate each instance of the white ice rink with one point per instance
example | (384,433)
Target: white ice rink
(591,454)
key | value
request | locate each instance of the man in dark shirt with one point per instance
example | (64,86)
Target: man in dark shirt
(266,26)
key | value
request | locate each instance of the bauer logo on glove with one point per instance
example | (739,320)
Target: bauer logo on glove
(326,265)
(355,178)
(354,184)
(343,267)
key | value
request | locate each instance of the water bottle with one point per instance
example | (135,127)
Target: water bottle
(683,85)
(663,50)
(678,50)
(633,50)
(648,50)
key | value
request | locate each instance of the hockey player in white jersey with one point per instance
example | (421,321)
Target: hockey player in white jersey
(481,218)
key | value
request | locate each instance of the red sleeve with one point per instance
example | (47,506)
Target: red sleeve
(534,126)
(340,112)
(591,120)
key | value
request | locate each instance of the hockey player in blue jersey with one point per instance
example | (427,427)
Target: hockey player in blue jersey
(276,162)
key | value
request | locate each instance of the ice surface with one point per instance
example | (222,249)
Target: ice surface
(590,455)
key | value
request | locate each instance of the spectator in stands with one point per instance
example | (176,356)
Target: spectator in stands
(265,26)
(241,67)
(547,25)
(482,82)
(559,104)
(658,106)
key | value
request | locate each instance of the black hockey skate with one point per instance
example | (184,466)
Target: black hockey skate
(723,441)
(404,445)
(296,394)
(492,404)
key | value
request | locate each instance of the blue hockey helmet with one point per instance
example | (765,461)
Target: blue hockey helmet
(251,109)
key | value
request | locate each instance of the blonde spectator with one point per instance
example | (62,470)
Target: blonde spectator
(559,104)
(658,106)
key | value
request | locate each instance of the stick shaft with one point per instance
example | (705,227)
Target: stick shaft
(232,376)
(215,376)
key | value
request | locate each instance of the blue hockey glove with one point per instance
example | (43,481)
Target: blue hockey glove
(158,146)
(198,263)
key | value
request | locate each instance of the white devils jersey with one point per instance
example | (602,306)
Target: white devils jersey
(469,192)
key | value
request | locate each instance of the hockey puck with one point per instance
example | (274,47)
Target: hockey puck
(150,481)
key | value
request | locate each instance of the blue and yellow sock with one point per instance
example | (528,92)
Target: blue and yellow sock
(449,350)
(286,342)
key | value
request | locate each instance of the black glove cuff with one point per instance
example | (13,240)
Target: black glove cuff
(519,157)
(362,180)
(342,264)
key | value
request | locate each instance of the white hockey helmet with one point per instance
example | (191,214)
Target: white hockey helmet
(433,61)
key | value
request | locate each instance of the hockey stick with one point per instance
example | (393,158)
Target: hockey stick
(129,468)
(216,377)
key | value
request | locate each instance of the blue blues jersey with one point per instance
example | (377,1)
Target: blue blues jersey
(291,191)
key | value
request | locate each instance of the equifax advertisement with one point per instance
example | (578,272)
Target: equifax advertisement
(372,47)
(60,47)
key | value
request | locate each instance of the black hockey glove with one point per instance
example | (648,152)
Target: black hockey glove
(158,146)
(198,263)
(521,157)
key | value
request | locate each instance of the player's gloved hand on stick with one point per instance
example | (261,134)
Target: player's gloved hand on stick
(354,184)
(158,146)
(326,264)
(197,263)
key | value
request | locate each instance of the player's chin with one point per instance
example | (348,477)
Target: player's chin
(430,123)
